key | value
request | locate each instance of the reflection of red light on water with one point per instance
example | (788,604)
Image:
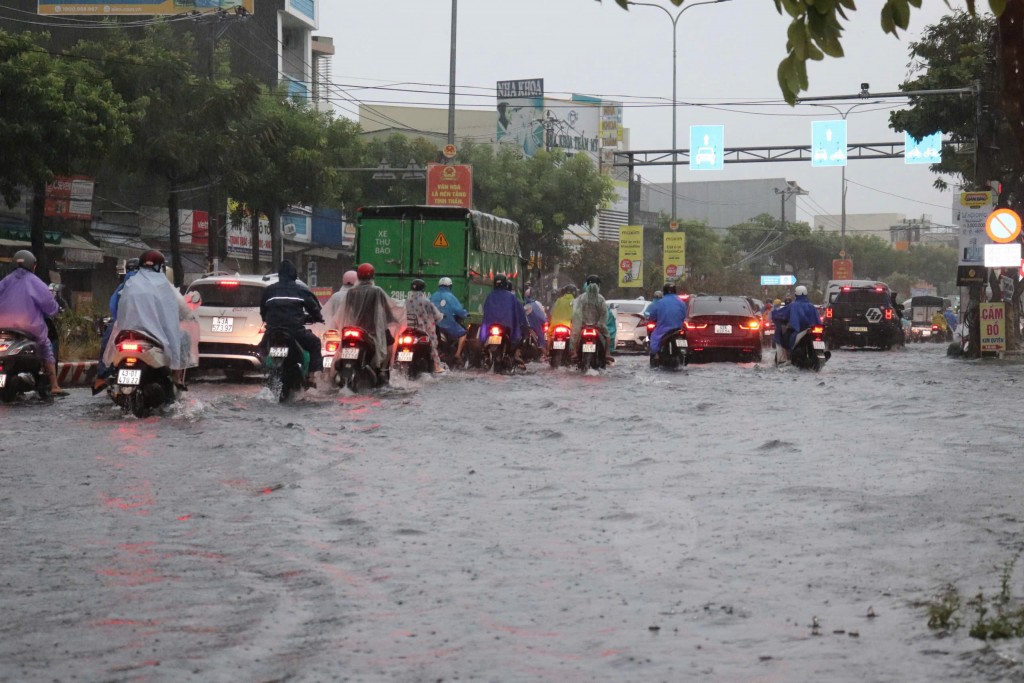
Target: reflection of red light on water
(184,518)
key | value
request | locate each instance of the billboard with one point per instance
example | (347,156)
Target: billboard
(631,256)
(675,255)
(239,232)
(450,185)
(69,197)
(574,126)
(521,114)
(970,211)
(106,8)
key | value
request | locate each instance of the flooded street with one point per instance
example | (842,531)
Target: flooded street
(630,526)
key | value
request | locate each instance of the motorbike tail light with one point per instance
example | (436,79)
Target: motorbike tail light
(128,346)
(888,314)
(4,347)
(818,329)
(131,361)
(228,283)
(589,332)
(651,326)
(935,328)
(828,312)
(407,339)
(694,326)
(750,325)
(546,326)
(561,330)
(331,346)
(352,333)
(495,331)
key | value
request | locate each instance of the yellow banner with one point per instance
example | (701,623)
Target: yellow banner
(137,7)
(993,327)
(675,255)
(631,256)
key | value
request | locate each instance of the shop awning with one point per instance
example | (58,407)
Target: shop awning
(118,245)
(78,250)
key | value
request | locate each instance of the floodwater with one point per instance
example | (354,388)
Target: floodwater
(729,522)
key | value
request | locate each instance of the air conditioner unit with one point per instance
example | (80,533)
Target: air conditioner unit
(288,230)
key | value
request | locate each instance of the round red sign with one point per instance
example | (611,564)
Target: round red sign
(670,270)
(625,264)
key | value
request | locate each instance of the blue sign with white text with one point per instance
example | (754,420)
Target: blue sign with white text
(707,147)
(927,150)
(767,280)
(828,143)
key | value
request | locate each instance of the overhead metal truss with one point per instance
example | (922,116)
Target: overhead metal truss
(753,155)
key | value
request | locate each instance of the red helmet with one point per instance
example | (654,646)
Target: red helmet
(152,258)
(365,271)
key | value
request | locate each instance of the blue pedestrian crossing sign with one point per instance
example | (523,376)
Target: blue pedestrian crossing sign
(927,150)
(828,143)
(707,147)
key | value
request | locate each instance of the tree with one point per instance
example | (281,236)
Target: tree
(56,116)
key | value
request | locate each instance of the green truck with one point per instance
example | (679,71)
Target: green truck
(430,242)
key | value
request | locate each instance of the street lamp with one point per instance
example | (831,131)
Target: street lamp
(675,23)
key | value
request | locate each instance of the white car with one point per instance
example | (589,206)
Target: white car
(630,324)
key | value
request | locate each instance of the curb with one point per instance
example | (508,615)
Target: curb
(76,374)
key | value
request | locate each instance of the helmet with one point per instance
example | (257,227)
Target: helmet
(152,258)
(788,299)
(365,271)
(444,282)
(25,258)
(669,288)
(418,285)
(593,280)
(658,294)
(570,289)
(131,264)
(349,278)
(500,281)
(800,290)
(776,302)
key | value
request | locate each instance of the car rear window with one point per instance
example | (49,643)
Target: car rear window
(714,306)
(863,296)
(229,296)
(638,307)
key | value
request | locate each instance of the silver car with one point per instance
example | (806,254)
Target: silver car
(630,324)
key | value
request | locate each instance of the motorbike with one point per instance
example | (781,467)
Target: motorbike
(561,352)
(672,354)
(413,353)
(809,350)
(530,349)
(142,380)
(353,363)
(590,350)
(941,334)
(286,362)
(497,353)
(447,346)
(21,366)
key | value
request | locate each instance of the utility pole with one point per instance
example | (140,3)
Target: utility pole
(451,77)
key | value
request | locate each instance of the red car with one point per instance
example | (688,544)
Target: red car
(718,326)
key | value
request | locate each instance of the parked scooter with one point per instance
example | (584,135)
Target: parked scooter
(21,366)
(809,351)
(353,364)
(561,351)
(142,380)
(286,362)
(412,354)
(590,351)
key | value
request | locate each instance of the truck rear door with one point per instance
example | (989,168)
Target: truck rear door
(439,247)
(385,242)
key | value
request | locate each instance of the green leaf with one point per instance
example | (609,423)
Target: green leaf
(997,6)
(888,22)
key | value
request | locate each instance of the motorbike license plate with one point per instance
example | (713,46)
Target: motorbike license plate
(723,329)
(559,345)
(129,377)
(350,352)
(405,356)
(494,339)
(222,325)
(590,347)
(278,351)
(858,329)
(680,343)
(328,362)
(819,346)
(3,381)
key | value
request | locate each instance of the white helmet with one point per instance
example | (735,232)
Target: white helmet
(444,282)
(800,290)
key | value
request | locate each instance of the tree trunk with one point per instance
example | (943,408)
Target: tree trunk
(38,237)
(1011,60)
(276,242)
(172,210)
(254,229)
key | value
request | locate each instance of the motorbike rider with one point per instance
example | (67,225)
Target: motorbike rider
(368,307)
(131,266)
(793,318)
(503,308)
(287,305)
(452,311)
(951,321)
(939,322)
(25,303)
(668,315)
(150,304)
(590,308)
(536,316)
(336,304)
(421,314)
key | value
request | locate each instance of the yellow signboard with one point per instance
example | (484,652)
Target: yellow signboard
(993,327)
(109,8)
(631,256)
(675,255)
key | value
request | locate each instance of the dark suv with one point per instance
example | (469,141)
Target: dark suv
(862,316)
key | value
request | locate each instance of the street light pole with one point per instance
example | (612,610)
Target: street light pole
(451,79)
(675,23)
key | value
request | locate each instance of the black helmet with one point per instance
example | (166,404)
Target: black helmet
(593,280)
(669,288)
(571,289)
(418,285)
(131,264)
(500,281)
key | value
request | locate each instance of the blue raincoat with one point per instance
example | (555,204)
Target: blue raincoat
(451,308)
(503,308)
(669,313)
(24,300)
(537,317)
(794,318)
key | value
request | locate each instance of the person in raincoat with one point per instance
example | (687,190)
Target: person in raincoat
(287,305)
(368,307)
(795,317)
(421,314)
(590,308)
(501,307)
(25,304)
(452,310)
(536,316)
(561,310)
(150,304)
(951,320)
(131,267)
(335,306)
(668,315)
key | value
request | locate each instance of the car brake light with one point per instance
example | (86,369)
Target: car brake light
(817,329)
(879,289)
(127,346)
(352,333)
(331,346)
(589,332)
(750,325)
(694,326)
(888,314)
(407,339)
(846,289)
(828,312)
(228,283)
(495,331)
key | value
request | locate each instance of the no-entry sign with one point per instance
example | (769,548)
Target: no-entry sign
(1003,226)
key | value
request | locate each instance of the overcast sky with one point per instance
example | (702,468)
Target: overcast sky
(727,53)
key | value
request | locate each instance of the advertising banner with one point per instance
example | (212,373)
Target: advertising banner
(137,7)
(970,211)
(675,255)
(574,126)
(993,327)
(297,224)
(239,233)
(611,124)
(450,185)
(70,197)
(842,269)
(521,114)
(631,256)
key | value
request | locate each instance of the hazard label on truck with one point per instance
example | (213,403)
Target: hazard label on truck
(441,242)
